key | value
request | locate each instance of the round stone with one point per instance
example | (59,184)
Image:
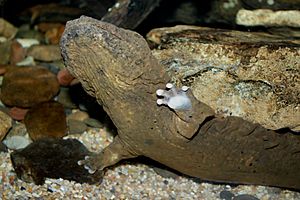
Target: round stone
(46,119)
(26,86)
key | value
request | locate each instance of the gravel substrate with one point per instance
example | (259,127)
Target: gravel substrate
(125,181)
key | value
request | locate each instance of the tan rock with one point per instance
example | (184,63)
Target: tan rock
(28,61)
(65,98)
(5,124)
(76,127)
(17,52)
(5,52)
(27,42)
(267,17)
(46,26)
(44,52)
(274,12)
(53,36)
(78,115)
(46,119)
(18,129)
(251,75)
(17,113)
(7,29)
(64,77)
(17,137)
(26,86)
(3,69)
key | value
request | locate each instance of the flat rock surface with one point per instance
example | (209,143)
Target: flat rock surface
(27,86)
(267,17)
(17,113)
(44,52)
(76,126)
(46,119)
(251,75)
(5,52)
(7,29)
(17,53)
(17,137)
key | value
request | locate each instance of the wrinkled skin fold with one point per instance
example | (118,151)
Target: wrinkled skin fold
(116,67)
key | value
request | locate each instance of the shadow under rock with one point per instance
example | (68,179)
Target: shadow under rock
(90,105)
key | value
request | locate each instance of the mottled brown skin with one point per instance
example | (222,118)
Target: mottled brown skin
(117,67)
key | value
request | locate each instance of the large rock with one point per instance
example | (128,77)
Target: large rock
(46,120)
(5,48)
(6,29)
(251,75)
(267,17)
(224,11)
(45,53)
(27,86)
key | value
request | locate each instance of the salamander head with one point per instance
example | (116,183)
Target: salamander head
(122,57)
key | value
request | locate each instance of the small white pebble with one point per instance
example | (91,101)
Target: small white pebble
(29,60)
(27,42)
(3,39)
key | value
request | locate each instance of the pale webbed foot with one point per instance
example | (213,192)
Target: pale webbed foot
(190,112)
(110,155)
(92,163)
(173,98)
(184,105)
